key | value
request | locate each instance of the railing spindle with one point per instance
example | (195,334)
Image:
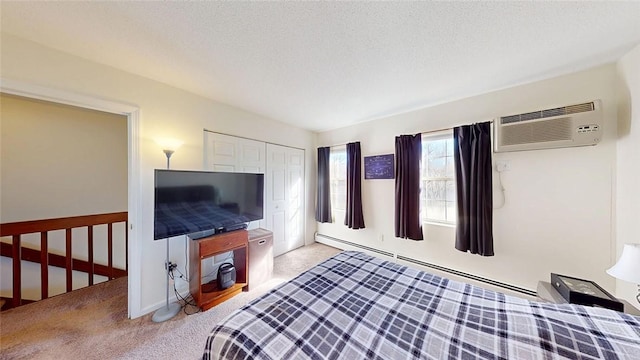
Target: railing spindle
(44,264)
(16,256)
(126,245)
(110,251)
(68,262)
(90,253)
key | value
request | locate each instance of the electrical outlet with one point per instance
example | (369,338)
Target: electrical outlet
(381,237)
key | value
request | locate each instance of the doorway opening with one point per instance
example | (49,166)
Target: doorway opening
(64,198)
(132,114)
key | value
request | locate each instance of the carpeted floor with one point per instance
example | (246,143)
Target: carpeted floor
(91,323)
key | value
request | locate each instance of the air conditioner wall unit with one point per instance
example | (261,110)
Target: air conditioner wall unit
(565,126)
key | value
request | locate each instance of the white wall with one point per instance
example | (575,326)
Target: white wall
(165,111)
(628,161)
(558,211)
(60,160)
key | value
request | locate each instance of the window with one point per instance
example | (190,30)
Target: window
(338,178)
(437,183)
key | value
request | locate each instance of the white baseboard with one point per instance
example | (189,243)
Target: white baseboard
(428,267)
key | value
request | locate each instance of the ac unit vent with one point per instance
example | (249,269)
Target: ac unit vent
(572,125)
(580,108)
(554,112)
(539,131)
(541,114)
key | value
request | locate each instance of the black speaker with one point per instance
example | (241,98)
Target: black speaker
(226,276)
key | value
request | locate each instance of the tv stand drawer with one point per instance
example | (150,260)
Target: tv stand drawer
(222,242)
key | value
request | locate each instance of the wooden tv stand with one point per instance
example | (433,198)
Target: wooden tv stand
(208,295)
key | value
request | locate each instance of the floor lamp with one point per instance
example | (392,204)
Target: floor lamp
(169,146)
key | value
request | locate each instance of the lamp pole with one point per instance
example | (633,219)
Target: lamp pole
(170,310)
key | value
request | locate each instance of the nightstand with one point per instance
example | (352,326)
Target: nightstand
(548,293)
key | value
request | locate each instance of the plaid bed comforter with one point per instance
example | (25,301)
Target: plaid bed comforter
(354,306)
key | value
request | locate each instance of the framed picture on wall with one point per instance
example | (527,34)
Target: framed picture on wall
(378,167)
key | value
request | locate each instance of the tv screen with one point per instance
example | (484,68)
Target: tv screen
(188,202)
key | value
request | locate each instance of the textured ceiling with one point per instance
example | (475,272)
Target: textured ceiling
(324,65)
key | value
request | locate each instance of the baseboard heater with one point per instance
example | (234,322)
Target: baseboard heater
(433,266)
(364,247)
(469,276)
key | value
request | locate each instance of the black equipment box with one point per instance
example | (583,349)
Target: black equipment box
(584,292)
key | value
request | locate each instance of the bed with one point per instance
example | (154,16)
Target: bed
(355,306)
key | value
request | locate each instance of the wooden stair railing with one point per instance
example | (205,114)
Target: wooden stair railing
(18,253)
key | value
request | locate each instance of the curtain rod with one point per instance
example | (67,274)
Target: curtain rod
(343,144)
(422,132)
(446,129)
(438,130)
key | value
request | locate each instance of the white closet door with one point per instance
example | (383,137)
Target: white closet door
(285,197)
(227,153)
(234,154)
(284,182)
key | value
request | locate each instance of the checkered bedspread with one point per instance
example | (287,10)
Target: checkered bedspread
(354,306)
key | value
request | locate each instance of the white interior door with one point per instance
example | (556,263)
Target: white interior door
(284,185)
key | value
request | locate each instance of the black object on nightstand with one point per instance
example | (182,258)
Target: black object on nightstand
(584,292)
(546,292)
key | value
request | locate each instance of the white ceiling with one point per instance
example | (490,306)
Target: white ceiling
(325,65)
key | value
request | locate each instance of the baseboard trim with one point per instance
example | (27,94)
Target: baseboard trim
(184,293)
(485,280)
(321,238)
(364,247)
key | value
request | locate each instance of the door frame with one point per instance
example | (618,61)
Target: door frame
(134,271)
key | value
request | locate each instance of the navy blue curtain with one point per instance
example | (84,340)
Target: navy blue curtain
(354,218)
(472,159)
(407,210)
(323,203)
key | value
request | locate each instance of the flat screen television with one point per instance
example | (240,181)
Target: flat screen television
(205,202)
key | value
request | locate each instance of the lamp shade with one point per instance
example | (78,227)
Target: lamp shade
(169,144)
(628,266)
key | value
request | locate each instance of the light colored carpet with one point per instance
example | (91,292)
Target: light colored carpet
(91,323)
